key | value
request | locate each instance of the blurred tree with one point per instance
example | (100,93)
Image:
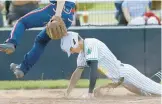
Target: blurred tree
(156,5)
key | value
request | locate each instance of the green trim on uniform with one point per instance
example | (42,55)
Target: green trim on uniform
(89,51)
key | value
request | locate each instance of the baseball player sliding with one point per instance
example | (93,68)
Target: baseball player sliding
(96,55)
(57,16)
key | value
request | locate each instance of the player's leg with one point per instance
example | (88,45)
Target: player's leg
(132,88)
(30,20)
(139,83)
(34,54)
(157,77)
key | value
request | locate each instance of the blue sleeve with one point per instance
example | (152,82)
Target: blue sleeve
(93,65)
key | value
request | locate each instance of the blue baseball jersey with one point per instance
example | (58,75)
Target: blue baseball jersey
(136,8)
(70,3)
(65,0)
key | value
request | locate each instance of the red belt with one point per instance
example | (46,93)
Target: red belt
(73,10)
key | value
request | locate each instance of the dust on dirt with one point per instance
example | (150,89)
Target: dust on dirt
(56,96)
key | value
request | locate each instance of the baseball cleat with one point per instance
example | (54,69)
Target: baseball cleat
(8,48)
(18,73)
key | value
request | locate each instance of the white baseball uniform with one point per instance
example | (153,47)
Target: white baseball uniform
(94,49)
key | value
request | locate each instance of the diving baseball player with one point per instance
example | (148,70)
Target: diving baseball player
(56,17)
(96,55)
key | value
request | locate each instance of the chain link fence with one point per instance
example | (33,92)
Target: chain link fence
(103,12)
(94,12)
(99,12)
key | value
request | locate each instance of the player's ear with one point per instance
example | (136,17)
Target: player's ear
(80,44)
(71,49)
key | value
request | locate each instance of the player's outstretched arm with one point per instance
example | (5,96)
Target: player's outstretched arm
(59,8)
(73,80)
(93,65)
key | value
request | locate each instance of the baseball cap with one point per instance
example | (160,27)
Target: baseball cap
(152,21)
(68,41)
(137,21)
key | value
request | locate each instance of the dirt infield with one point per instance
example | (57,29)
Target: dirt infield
(56,96)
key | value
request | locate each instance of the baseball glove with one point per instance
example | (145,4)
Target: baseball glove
(56,28)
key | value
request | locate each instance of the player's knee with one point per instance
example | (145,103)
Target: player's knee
(41,41)
(22,20)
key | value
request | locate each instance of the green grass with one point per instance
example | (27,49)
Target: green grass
(46,84)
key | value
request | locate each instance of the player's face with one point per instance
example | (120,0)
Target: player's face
(75,50)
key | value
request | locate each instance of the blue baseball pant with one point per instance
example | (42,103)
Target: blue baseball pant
(29,21)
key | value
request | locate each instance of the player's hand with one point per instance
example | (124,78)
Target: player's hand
(97,92)
(88,96)
(66,94)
